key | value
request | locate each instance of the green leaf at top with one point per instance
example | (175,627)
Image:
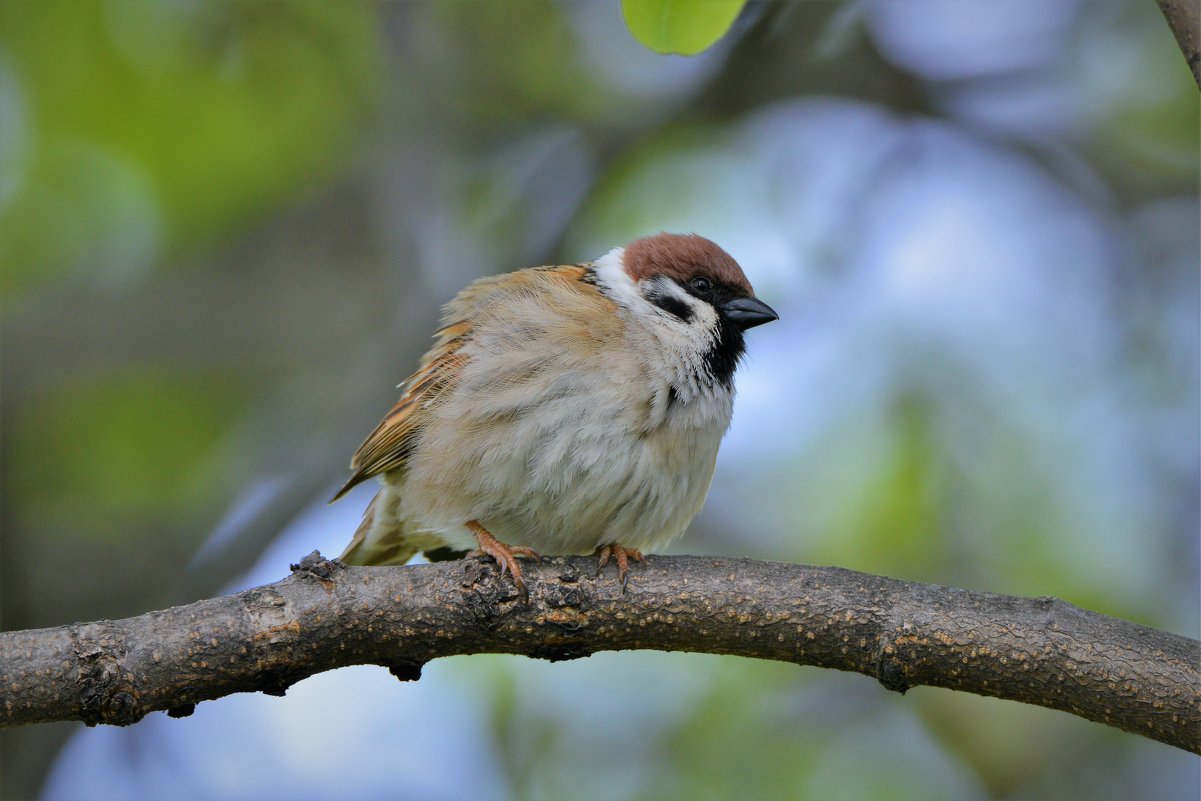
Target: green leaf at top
(685,27)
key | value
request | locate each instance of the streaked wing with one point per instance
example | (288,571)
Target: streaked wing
(389,445)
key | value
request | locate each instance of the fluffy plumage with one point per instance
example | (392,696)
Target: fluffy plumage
(563,408)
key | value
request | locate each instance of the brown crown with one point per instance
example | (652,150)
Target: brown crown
(683,256)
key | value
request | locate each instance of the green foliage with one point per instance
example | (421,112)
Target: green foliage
(514,73)
(133,443)
(683,27)
(134,127)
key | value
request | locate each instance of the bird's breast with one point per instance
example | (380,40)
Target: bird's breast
(573,469)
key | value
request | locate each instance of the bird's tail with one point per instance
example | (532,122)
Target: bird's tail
(375,543)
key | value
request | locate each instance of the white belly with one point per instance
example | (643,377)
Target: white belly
(568,477)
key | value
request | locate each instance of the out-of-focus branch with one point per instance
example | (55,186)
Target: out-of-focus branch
(1041,651)
(1184,18)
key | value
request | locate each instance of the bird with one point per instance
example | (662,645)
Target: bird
(569,409)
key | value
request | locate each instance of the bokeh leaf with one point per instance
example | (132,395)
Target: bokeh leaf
(684,27)
(137,442)
(129,131)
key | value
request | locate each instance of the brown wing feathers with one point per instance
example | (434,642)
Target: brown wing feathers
(388,446)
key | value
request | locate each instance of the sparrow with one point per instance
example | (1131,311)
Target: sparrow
(564,410)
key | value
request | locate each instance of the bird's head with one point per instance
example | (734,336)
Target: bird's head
(689,290)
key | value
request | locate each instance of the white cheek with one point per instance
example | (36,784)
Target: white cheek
(673,349)
(701,326)
(704,317)
(611,273)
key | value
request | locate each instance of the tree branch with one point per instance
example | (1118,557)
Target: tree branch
(1037,650)
(1184,18)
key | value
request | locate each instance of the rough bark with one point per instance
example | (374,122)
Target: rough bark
(1037,650)
(1184,18)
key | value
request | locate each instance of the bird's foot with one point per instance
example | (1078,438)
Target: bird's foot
(505,555)
(619,554)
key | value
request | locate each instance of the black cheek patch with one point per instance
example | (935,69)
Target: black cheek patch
(672,305)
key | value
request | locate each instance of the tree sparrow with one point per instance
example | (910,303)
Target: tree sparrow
(565,409)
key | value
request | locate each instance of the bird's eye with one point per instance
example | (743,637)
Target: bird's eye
(701,285)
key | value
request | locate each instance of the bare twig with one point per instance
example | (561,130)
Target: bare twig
(1184,18)
(1040,651)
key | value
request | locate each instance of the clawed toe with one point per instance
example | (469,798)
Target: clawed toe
(622,556)
(504,555)
(527,552)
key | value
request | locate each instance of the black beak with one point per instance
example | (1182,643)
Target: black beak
(747,312)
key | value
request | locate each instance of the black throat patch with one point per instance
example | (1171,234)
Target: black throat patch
(722,358)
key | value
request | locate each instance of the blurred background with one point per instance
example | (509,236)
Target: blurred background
(226,230)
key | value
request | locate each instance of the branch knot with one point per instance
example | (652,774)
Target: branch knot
(106,691)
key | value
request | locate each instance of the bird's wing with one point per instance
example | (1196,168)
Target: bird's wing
(389,446)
